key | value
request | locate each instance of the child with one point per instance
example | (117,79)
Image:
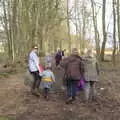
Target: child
(48,79)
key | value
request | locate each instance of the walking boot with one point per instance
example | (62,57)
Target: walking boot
(69,100)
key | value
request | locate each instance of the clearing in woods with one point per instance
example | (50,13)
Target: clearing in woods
(16,102)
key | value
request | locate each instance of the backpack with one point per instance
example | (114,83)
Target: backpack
(75,67)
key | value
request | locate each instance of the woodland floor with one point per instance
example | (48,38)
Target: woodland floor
(16,102)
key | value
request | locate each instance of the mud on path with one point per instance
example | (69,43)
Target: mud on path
(17,103)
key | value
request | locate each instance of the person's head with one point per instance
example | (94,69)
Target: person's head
(48,66)
(35,48)
(90,53)
(64,50)
(75,51)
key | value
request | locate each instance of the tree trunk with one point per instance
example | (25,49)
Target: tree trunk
(118,22)
(68,26)
(97,41)
(104,30)
(114,34)
(83,27)
(7,30)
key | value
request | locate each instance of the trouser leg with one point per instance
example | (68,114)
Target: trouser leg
(46,90)
(87,90)
(74,87)
(57,63)
(37,80)
(69,89)
(93,90)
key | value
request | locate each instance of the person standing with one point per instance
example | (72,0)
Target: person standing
(34,69)
(48,79)
(63,53)
(58,57)
(49,59)
(74,70)
(91,75)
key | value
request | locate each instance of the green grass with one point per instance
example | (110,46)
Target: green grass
(4,118)
(4,75)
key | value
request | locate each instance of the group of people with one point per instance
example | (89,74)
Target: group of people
(38,73)
(81,68)
(76,68)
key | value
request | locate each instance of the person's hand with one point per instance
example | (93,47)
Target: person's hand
(53,82)
(40,74)
(59,67)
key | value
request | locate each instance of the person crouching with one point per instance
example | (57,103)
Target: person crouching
(48,79)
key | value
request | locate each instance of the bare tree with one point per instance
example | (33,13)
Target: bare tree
(97,40)
(114,32)
(68,25)
(118,22)
(104,29)
(31,22)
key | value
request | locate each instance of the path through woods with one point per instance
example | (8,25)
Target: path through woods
(17,103)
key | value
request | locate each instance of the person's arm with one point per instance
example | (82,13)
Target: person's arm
(82,68)
(53,77)
(97,68)
(64,63)
(36,61)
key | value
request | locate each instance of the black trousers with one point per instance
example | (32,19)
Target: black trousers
(37,79)
(57,63)
(46,91)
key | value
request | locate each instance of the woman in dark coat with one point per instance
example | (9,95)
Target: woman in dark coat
(74,70)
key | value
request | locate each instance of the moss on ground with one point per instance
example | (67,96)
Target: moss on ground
(4,118)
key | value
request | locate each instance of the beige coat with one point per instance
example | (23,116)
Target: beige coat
(91,69)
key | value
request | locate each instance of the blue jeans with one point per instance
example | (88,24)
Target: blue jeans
(71,88)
